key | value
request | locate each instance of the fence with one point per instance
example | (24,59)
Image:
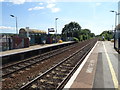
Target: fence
(8,43)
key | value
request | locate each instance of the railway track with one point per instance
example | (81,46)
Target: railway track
(57,76)
(17,81)
(15,67)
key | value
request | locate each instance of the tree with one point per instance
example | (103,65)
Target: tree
(107,35)
(86,34)
(71,30)
(92,35)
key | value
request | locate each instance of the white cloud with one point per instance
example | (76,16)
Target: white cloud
(54,10)
(50,1)
(40,3)
(23,1)
(50,5)
(98,4)
(1,0)
(17,1)
(6,28)
(35,8)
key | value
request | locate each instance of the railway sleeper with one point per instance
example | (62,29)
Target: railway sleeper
(21,65)
(10,70)
(61,75)
(16,67)
(66,64)
(50,84)
(56,73)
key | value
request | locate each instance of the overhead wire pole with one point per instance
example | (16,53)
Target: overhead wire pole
(16,23)
(56,27)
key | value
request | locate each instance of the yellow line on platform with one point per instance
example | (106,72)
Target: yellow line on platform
(114,78)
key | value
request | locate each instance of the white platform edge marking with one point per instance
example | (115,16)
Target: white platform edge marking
(70,82)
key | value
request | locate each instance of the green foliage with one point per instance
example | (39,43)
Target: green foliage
(92,35)
(58,37)
(86,34)
(81,37)
(76,39)
(73,29)
(106,35)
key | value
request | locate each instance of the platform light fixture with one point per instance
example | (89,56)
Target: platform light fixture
(116,13)
(115,17)
(16,23)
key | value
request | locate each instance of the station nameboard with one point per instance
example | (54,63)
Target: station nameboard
(51,30)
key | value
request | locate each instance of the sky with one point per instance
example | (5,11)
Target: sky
(41,15)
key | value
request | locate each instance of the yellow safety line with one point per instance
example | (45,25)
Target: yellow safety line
(114,78)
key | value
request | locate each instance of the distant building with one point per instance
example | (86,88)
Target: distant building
(119,12)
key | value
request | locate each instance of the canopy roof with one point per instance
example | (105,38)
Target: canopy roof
(33,31)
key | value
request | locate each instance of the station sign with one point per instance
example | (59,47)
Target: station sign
(51,30)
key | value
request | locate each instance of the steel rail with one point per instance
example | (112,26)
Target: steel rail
(38,77)
(61,85)
(44,56)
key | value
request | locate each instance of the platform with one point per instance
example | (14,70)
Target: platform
(98,70)
(24,53)
(35,47)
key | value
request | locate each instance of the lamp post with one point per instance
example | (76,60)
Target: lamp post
(116,13)
(115,17)
(56,27)
(16,23)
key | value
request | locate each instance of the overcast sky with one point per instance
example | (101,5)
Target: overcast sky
(41,15)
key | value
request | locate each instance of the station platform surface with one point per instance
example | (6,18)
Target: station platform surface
(100,69)
(35,47)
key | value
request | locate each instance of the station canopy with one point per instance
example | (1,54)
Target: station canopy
(33,31)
